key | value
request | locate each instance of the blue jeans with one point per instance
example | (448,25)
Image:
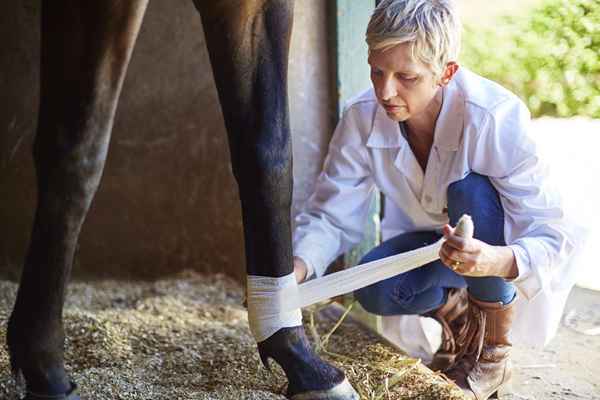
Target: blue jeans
(425,289)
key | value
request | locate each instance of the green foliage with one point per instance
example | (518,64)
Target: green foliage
(550,57)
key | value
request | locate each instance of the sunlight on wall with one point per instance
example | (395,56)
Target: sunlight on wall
(570,146)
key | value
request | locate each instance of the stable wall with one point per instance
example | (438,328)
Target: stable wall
(168,200)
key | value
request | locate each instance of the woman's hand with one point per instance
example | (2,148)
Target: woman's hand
(472,257)
(300,269)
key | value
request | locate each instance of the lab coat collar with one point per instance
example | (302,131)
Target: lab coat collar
(448,128)
(385,132)
(450,123)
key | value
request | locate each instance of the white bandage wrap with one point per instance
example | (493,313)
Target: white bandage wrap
(266,314)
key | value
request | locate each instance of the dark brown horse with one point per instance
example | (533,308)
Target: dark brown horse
(86,48)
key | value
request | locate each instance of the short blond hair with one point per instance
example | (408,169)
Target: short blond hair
(431,26)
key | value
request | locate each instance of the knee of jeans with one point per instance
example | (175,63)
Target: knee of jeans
(471,195)
(465,190)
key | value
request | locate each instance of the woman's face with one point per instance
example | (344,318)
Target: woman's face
(404,87)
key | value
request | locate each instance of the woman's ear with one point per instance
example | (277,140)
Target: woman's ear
(449,71)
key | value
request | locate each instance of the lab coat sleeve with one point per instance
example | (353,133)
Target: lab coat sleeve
(539,235)
(335,214)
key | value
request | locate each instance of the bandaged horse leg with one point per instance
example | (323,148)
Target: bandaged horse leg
(248,43)
(281,337)
(83,64)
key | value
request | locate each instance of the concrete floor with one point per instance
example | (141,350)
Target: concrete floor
(569,367)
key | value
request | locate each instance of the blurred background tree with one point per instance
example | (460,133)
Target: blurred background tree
(549,55)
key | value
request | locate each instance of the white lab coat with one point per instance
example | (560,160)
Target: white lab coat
(481,128)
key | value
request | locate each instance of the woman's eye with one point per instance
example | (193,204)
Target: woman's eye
(376,72)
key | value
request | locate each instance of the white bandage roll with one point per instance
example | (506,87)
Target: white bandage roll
(266,314)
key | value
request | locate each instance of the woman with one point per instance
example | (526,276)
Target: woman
(439,141)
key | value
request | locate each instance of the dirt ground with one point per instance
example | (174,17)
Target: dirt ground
(187,338)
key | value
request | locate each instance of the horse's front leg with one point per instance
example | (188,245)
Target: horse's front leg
(86,47)
(248,43)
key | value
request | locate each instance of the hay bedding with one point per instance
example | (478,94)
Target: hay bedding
(188,338)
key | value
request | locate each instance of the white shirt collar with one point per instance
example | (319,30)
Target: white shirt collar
(386,133)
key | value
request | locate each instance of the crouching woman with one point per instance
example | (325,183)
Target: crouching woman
(440,141)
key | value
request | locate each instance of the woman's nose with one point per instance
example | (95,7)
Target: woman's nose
(388,89)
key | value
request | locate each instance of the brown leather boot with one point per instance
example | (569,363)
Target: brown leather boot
(484,368)
(452,316)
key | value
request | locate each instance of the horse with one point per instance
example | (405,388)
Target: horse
(85,52)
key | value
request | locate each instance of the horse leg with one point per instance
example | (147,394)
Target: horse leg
(248,43)
(86,47)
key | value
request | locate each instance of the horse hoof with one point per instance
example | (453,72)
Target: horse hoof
(341,391)
(73,394)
